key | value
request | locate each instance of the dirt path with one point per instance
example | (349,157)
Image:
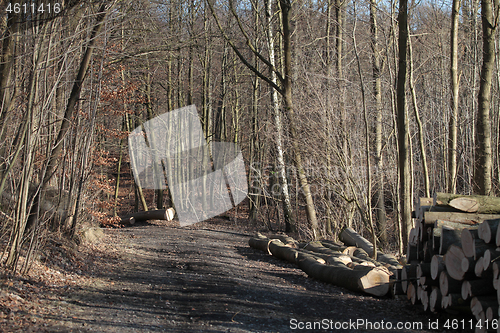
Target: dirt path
(170,279)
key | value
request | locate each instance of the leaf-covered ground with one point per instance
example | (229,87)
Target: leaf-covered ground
(162,278)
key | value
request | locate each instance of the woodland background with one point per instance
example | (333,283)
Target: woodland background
(346,111)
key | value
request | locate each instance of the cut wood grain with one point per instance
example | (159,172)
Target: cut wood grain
(480,303)
(471,244)
(437,266)
(490,255)
(448,285)
(488,229)
(411,293)
(435,299)
(453,262)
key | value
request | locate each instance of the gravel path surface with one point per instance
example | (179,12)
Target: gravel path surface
(207,279)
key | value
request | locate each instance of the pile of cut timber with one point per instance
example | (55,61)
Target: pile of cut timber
(346,265)
(453,256)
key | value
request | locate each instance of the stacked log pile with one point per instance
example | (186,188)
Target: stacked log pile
(347,265)
(453,255)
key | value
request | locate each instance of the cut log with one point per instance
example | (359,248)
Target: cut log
(128,220)
(423,269)
(458,217)
(480,303)
(479,268)
(411,252)
(496,276)
(490,256)
(468,265)
(428,251)
(318,247)
(472,245)
(448,285)
(472,288)
(424,299)
(480,318)
(449,237)
(491,313)
(160,214)
(427,281)
(455,301)
(488,230)
(388,259)
(359,253)
(435,299)
(469,203)
(332,245)
(283,251)
(373,281)
(345,259)
(351,238)
(287,240)
(436,240)
(408,275)
(497,237)
(396,289)
(260,242)
(437,266)
(453,262)
(411,293)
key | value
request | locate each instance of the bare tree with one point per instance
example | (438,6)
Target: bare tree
(483,163)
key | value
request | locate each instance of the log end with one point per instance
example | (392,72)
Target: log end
(375,282)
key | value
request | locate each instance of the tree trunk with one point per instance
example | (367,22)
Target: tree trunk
(453,127)
(285,192)
(483,162)
(402,121)
(420,128)
(285,6)
(377,94)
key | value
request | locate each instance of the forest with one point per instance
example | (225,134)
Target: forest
(345,111)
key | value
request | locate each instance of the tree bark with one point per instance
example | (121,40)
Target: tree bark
(377,95)
(460,218)
(483,162)
(469,203)
(402,124)
(453,127)
(286,7)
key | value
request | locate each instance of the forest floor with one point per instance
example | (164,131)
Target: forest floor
(159,277)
